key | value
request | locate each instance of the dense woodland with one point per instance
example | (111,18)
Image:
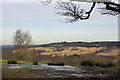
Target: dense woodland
(81,44)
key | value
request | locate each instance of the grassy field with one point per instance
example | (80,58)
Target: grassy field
(94,61)
(62,51)
(67,55)
(83,72)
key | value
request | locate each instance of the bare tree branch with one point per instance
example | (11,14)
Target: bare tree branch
(73,12)
(110,8)
(69,9)
(89,12)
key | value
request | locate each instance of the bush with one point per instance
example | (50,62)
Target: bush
(55,64)
(75,55)
(12,62)
(35,62)
(100,64)
(110,65)
(97,64)
(104,65)
(87,63)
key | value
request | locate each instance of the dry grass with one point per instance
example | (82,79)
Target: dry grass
(61,51)
(112,52)
(65,55)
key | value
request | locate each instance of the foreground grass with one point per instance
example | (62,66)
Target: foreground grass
(50,73)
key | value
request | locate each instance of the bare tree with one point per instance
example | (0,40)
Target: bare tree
(21,42)
(21,39)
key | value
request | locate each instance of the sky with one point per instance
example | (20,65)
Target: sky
(43,24)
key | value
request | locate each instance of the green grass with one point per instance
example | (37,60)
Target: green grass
(57,45)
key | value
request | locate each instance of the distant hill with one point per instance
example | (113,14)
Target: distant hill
(81,44)
(74,44)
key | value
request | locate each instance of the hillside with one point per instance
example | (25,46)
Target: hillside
(74,51)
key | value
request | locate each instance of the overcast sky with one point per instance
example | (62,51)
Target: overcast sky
(43,24)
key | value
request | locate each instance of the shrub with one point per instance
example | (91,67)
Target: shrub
(104,65)
(75,55)
(56,64)
(100,64)
(97,64)
(110,65)
(87,63)
(65,55)
(12,62)
(35,62)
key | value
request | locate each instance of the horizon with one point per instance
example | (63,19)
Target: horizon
(46,28)
(63,41)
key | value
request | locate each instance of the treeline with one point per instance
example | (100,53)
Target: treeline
(81,44)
